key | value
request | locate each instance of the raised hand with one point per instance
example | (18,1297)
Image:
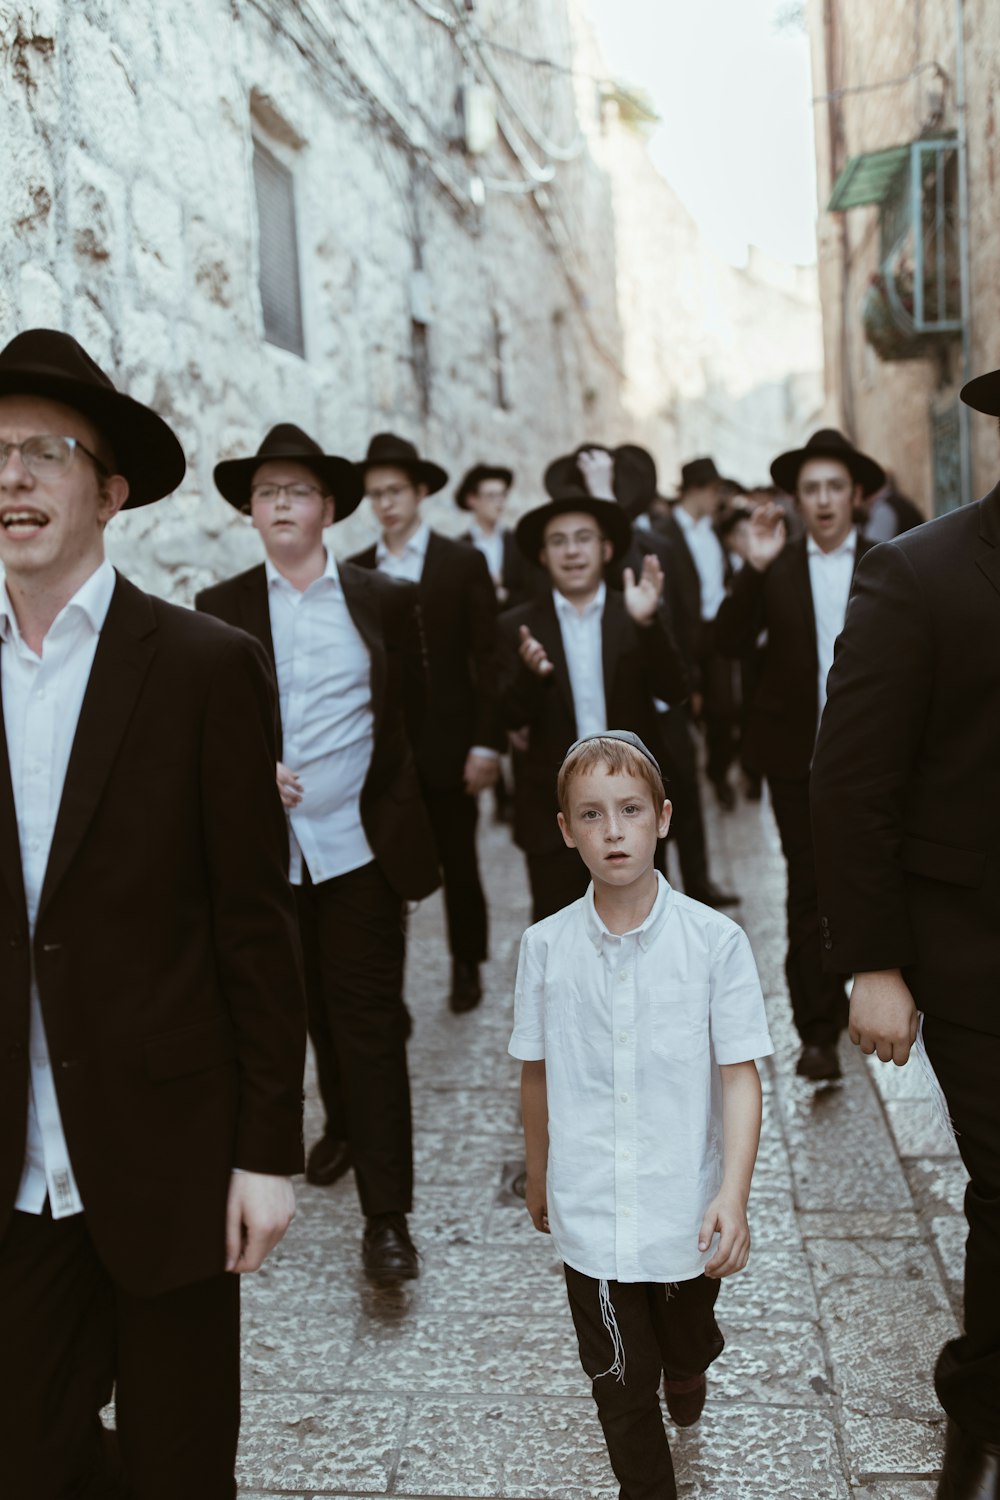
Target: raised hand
(767,536)
(597,470)
(532,653)
(642,597)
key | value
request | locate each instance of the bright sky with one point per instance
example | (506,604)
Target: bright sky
(732,88)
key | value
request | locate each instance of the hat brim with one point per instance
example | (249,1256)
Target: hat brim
(421,470)
(983,393)
(234,476)
(147,452)
(863,470)
(530,530)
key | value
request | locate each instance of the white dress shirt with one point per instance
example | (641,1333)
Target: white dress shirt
(327,727)
(709,559)
(830,575)
(42,698)
(583,644)
(491,546)
(633,1030)
(409,565)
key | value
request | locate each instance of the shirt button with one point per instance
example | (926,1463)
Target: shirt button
(626,1156)
(40,694)
(623,1098)
(623,1036)
(622,974)
(626,1212)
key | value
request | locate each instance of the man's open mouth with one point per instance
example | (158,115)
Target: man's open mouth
(23,520)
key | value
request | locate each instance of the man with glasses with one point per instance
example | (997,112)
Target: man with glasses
(345,647)
(581,659)
(458,746)
(153,1025)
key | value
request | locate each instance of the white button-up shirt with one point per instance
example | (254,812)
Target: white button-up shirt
(633,1030)
(583,644)
(327,727)
(709,558)
(409,565)
(830,575)
(491,546)
(42,698)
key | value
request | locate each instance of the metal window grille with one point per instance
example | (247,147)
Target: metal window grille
(278,254)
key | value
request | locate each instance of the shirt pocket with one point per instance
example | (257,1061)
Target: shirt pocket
(679,1030)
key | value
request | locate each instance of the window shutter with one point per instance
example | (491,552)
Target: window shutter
(280,292)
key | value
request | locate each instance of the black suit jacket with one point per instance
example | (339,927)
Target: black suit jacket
(459,612)
(779,732)
(639,665)
(393,814)
(164,947)
(906,779)
(687,584)
(519,579)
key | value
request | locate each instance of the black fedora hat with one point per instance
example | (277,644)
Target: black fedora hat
(633,474)
(45,362)
(615,524)
(477,475)
(234,476)
(983,393)
(395,452)
(699,473)
(828,443)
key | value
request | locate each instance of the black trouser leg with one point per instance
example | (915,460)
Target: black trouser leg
(557,879)
(320,1034)
(720,710)
(818,1002)
(68,1334)
(687,826)
(670,1329)
(453,817)
(357,924)
(967,1376)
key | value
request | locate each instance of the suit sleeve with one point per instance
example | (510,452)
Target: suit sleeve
(254,921)
(663,665)
(878,694)
(741,616)
(406,636)
(521,695)
(483,649)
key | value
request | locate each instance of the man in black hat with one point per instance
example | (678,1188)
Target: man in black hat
(584,657)
(691,528)
(483,493)
(345,647)
(153,1019)
(458,748)
(906,818)
(796,593)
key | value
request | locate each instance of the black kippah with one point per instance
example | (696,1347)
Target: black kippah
(627,738)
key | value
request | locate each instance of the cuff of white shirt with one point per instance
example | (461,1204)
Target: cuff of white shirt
(747,1050)
(484,750)
(526,1049)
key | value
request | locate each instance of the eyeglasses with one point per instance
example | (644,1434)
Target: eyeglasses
(268,492)
(390,492)
(47,456)
(559,541)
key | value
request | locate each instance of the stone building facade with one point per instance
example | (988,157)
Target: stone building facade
(409,214)
(903,75)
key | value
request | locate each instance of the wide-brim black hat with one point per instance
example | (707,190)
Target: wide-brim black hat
(633,474)
(828,443)
(392,452)
(234,476)
(615,524)
(698,473)
(477,475)
(983,393)
(45,362)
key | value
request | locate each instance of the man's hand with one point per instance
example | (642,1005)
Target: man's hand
(519,739)
(479,773)
(289,788)
(883,1015)
(597,470)
(728,1215)
(766,536)
(532,653)
(535,1200)
(258,1211)
(642,599)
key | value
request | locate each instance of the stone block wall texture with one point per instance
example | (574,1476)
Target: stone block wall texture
(892,72)
(132,222)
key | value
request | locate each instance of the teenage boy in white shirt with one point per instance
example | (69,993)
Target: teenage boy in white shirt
(638,1016)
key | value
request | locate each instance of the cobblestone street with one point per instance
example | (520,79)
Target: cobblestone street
(467,1382)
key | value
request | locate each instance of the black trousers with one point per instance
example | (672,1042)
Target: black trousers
(720,706)
(664,1330)
(353,948)
(819,1005)
(453,817)
(69,1335)
(556,879)
(687,826)
(967,1376)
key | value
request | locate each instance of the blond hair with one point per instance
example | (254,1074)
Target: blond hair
(620,759)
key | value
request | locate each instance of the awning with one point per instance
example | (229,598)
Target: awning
(868,178)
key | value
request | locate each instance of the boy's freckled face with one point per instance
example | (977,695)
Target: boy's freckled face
(613,823)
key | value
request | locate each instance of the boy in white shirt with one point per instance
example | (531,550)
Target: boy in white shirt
(638,1016)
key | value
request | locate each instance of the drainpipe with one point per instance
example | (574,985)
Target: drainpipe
(964,424)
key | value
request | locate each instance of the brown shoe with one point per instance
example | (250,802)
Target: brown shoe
(685,1399)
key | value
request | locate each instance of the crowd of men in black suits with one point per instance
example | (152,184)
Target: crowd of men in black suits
(173,924)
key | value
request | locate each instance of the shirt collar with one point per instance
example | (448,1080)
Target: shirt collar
(686,520)
(275,578)
(416,546)
(849,544)
(92,599)
(478,534)
(566,606)
(646,932)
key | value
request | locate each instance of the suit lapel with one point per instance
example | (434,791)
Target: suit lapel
(362,606)
(124,652)
(802,588)
(989,531)
(433,560)
(10,844)
(613,628)
(255,612)
(544,626)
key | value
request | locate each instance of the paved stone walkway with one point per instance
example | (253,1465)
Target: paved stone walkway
(467,1382)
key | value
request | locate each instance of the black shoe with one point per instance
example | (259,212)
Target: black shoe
(971,1468)
(712,895)
(387,1252)
(819,1062)
(466,990)
(726,795)
(685,1399)
(328,1160)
